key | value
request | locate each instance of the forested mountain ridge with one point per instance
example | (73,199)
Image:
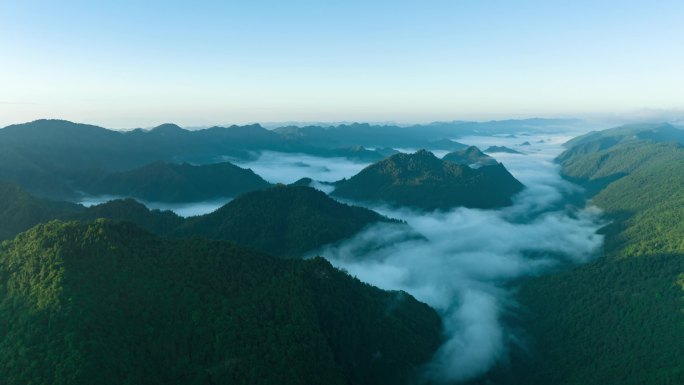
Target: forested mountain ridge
(50,157)
(20,211)
(108,303)
(168,182)
(285,221)
(618,319)
(423,181)
(413,136)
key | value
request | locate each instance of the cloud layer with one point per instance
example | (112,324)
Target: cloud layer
(469,258)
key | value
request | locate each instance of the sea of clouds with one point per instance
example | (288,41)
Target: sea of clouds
(468,259)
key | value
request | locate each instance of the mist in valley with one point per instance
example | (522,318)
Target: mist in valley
(467,260)
(463,262)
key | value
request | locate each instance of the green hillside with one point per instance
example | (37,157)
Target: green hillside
(107,303)
(619,319)
(20,211)
(168,182)
(285,221)
(421,180)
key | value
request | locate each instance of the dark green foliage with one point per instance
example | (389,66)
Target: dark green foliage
(128,210)
(620,319)
(168,182)
(19,211)
(284,220)
(423,181)
(470,156)
(106,303)
(504,149)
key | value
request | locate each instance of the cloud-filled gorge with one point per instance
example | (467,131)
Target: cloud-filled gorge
(468,259)
(465,262)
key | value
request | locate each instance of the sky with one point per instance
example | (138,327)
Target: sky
(128,64)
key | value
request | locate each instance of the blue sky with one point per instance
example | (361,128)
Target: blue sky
(133,63)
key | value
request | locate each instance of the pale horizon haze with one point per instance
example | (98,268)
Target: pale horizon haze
(137,64)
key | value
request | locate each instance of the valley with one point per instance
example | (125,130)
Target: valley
(465,261)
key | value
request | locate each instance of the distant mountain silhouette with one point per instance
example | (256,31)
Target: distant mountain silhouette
(168,182)
(285,221)
(504,149)
(50,157)
(470,156)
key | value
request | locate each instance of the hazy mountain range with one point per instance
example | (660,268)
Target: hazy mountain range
(121,293)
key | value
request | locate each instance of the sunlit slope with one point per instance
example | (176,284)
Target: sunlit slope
(284,220)
(620,319)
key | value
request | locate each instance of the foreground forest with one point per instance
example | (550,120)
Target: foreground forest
(108,303)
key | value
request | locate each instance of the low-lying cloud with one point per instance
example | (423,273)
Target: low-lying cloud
(280,167)
(466,263)
(185,209)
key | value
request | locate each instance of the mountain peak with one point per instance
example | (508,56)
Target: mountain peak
(421,180)
(284,220)
(167,129)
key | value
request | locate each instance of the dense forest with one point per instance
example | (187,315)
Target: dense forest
(423,181)
(108,303)
(619,319)
(169,182)
(146,296)
(285,221)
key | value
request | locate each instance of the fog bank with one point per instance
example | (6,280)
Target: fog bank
(466,265)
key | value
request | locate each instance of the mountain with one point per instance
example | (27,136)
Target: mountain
(107,303)
(168,182)
(423,181)
(50,158)
(504,149)
(414,136)
(286,221)
(20,211)
(446,144)
(355,153)
(599,158)
(617,319)
(470,156)
(129,210)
